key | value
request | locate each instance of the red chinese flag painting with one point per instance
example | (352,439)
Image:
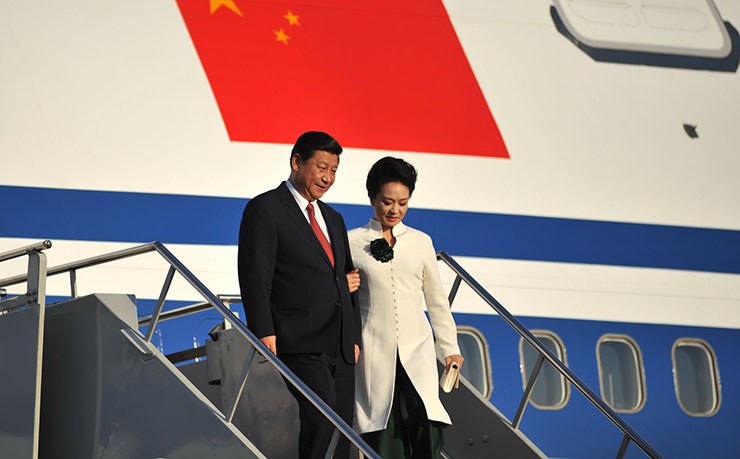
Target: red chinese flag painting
(381,74)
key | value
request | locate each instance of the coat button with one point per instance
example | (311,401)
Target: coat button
(338,304)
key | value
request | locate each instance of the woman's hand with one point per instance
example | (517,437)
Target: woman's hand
(353,280)
(457,358)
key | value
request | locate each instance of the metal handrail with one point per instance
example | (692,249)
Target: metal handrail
(215,302)
(189,309)
(544,352)
(19,252)
(35,295)
(176,313)
(87,262)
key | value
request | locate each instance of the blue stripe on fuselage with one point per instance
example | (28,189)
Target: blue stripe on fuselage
(182,219)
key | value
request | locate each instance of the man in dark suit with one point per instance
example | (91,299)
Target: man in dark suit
(296,273)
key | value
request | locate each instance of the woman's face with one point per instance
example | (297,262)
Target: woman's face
(391,203)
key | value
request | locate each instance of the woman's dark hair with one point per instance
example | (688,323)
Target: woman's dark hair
(388,170)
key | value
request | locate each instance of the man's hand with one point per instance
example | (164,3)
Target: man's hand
(357,353)
(353,280)
(269,341)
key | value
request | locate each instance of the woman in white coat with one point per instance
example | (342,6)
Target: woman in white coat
(399,413)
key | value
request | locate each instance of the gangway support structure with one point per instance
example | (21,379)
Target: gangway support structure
(268,414)
(108,393)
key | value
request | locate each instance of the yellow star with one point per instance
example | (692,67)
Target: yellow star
(292,19)
(280,36)
(216,4)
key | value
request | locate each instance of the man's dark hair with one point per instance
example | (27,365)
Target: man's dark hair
(310,141)
(388,170)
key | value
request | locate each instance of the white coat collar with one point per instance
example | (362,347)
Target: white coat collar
(375,226)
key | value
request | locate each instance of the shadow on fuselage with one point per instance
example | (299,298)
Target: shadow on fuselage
(727,64)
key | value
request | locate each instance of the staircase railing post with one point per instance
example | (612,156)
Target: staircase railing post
(453,290)
(332,444)
(160,303)
(528,391)
(37,277)
(73,282)
(623,446)
(241,382)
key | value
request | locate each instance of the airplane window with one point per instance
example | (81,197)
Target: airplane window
(476,368)
(696,377)
(550,391)
(621,374)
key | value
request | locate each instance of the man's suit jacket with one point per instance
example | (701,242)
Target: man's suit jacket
(288,285)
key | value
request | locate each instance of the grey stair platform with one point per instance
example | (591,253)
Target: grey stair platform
(107,394)
(267,414)
(479,430)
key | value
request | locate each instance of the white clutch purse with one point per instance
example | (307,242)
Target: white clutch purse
(451,379)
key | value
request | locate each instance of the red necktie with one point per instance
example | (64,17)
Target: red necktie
(319,234)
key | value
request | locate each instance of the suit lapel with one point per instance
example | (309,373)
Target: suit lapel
(296,214)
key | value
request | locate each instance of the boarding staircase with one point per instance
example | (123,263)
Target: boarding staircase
(108,392)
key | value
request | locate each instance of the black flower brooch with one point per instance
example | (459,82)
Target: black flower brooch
(381,250)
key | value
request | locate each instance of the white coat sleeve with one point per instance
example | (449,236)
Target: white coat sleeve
(438,307)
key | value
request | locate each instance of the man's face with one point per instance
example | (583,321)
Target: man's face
(313,177)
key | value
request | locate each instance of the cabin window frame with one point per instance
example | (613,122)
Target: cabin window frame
(640,370)
(565,385)
(482,343)
(716,385)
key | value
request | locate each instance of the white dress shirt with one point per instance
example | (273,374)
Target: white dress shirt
(392,297)
(303,204)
